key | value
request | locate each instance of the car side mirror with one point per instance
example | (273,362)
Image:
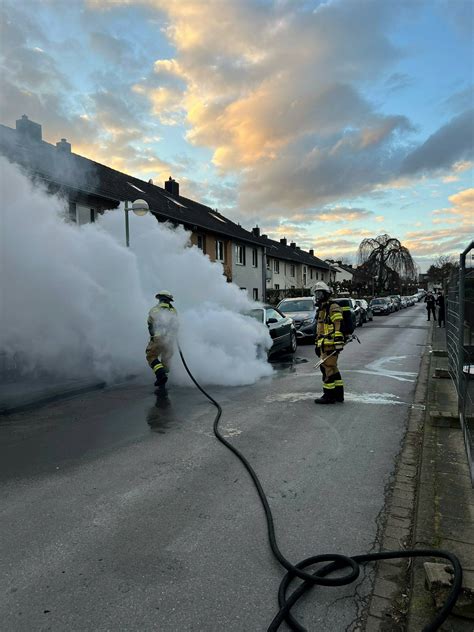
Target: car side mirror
(271,321)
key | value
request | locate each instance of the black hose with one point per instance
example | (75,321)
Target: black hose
(337,562)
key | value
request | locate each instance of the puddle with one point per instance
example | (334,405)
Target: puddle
(385,399)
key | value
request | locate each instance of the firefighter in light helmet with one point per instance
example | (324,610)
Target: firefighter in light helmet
(162,327)
(329,343)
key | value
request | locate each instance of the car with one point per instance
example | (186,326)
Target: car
(366,310)
(304,313)
(281,328)
(397,300)
(381,306)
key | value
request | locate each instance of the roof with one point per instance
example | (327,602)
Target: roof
(75,172)
(281,251)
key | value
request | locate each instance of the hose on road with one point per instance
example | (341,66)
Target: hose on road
(337,562)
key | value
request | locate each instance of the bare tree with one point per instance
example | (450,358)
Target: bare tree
(386,260)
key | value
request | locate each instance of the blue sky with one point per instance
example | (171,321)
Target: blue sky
(324,122)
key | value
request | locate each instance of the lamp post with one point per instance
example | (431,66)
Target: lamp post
(139,207)
(373,285)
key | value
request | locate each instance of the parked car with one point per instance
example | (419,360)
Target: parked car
(381,306)
(366,310)
(356,311)
(397,300)
(281,328)
(303,311)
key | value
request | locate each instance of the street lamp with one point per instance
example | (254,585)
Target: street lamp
(373,285)
(139,207)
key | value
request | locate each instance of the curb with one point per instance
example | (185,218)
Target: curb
(389,601)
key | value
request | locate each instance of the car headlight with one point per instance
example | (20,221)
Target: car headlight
(308,321)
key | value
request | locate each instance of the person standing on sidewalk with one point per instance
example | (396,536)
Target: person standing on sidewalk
(440,302)
(430,305)
(162,327)
(329,343)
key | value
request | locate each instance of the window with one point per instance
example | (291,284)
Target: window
(277,286)
(255,257)
(272,313)
(72,212)
(240,255)
(293,287)
(219,250)
(201,242)
(317,276)
(311,273)
(292,270)
(255,293)
(92,216)
(276,266)
(268,263)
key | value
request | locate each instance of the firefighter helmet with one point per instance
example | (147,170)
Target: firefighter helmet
(321,292)
(320,285)
(164,294)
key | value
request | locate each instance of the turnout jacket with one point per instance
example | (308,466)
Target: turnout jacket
(161,320)
(328,328)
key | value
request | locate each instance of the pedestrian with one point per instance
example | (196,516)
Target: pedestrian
(162,327)
(440,302)
(328,344)
(430,305)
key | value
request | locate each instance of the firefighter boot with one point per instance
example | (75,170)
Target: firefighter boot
(325,399)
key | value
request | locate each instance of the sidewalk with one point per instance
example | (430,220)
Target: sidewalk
(430,504)
(23,394)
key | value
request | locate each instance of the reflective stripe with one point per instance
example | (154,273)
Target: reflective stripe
(338,383)
(157,367)
(346,308)
(329,386)
(336,316)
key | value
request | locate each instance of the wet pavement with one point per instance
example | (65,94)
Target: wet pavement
(122,511)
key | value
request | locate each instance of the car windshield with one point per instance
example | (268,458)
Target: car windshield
(377,301)
(296,306)
(257,314)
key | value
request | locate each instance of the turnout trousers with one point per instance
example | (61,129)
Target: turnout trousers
(333,386)
(158,355)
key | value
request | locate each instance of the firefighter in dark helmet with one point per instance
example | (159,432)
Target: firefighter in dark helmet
(162,327)
(329,343)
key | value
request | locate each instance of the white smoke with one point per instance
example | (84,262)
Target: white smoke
(74,300)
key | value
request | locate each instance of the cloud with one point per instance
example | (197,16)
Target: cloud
(451,143)
(461,211)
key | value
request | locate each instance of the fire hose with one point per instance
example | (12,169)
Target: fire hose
(333,561)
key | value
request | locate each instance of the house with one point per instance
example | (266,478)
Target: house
(290,268)
(343,273)
(90,188)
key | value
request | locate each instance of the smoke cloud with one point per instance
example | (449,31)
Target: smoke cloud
(74,300)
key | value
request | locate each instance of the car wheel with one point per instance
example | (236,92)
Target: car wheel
(293,343)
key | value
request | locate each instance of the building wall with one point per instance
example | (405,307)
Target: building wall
(247,276)
(210,250)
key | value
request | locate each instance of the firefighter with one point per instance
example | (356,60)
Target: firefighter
(162,326)
(329,343)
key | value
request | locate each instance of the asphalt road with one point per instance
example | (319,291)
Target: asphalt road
(117,514)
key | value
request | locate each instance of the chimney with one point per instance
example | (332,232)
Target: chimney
(28,129)
(256,231)
(265,236)
(64,146)
(293,245)
(311,252)
(171,186)
(283,241)
(150,181)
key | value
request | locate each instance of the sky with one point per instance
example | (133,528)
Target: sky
(325,122)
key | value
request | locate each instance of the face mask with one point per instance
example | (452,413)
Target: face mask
(319,296)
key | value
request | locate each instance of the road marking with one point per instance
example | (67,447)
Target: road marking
(377,368)
(361,398)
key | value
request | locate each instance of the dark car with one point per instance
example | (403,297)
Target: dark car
(281,328)
(303,311)
(381,306)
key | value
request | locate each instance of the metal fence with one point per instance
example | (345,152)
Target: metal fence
(460,344)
